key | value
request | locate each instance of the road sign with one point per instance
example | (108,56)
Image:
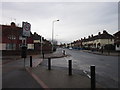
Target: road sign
(26,29)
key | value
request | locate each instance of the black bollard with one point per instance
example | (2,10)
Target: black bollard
(49,63)
(43,55)
(63,52)
(70,67)
(30,61)
(93,80)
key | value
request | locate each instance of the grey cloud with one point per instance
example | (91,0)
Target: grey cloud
(76,19)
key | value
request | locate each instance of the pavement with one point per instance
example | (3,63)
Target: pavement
(57,54)
(18,79)
(14,75)
(58,77)
(104,53)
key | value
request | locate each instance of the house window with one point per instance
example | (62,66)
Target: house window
(117,45)
(111,39)
(12,37)
(10,46)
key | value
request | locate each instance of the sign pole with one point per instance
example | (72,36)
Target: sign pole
(24,62)
(26,33)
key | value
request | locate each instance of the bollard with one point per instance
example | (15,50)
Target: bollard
(43,55)
(93,80)
(70,67)
(49,63)
(30,61)
(63,52)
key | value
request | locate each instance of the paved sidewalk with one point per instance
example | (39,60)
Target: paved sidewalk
(18,79)
(104,53)
(55,78)
(7,59)
(59,78)
(57,54)
(14,75)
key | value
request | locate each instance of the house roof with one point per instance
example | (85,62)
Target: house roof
(104,35)
(117,34)
(19,30)
(8,27)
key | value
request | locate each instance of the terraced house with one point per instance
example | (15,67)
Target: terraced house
(98,41)
(117,41)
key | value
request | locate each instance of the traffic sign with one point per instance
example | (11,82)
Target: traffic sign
(26,29)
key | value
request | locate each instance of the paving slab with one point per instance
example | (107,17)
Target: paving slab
(57,78)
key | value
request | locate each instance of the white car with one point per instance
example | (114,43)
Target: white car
(70,48)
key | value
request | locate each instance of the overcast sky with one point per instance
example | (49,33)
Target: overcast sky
(77,19)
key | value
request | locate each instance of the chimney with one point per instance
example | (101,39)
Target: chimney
(35,33)
(13,24)
(88,36)
(99,33)
(104,32)
(92,35)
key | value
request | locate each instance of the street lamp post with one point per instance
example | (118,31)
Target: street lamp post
(53,32)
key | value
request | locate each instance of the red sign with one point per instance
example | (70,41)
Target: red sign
(26,29)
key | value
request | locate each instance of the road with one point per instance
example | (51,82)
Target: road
(106,66)
(14,75)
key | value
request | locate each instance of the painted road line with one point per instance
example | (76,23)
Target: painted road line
(87,74)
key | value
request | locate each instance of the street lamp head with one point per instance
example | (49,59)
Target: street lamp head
(56,20)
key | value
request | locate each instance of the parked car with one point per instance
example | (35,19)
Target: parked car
(70,48)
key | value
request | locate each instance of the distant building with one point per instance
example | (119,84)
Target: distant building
(98,41)
(77,44)
(68,45)
(117,41)
(39,42)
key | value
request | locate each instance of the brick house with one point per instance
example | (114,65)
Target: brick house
(12,40)
(12,37)
(77,44)
(39,42)
(117,41)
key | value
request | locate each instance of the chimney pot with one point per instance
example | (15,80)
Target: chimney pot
(13,24)
(99,33)
(92,35)
(104,31)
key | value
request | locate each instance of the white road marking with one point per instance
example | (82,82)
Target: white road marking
(87,74)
